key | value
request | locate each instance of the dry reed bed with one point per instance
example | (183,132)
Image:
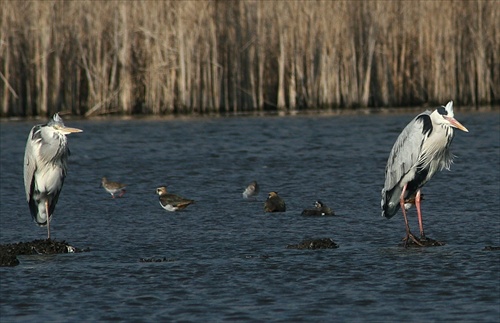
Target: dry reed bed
(160,57)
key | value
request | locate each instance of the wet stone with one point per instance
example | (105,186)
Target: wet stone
(323,243)
(427,242)
(8,260)
(10,251)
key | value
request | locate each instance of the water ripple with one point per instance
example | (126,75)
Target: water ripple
(226,259)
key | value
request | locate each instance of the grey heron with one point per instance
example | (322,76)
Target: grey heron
(45,167)
(113,187)
(172,202)
(420,151)
(274,203)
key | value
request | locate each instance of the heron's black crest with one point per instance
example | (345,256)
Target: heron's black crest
(442,111)
(56,120)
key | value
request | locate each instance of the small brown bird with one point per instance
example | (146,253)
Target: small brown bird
(274,203)
(320,209)
(171,202)
(251,191)
(113,187)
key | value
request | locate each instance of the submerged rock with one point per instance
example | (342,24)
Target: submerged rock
(427,242)
(10,251)
(323,243)
(8,260)
(491,248)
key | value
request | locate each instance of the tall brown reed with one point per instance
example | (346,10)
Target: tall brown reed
(162,57)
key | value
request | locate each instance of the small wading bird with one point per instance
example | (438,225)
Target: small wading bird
(274,203)
(113,187)
(320,209)
(172,202)
(45,167)
(251,191)
(421,149)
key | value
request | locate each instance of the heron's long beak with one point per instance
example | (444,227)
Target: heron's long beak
(457,124)
(68,130)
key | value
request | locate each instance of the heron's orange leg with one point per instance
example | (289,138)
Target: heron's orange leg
(419,214)
(48,218)
(409,235)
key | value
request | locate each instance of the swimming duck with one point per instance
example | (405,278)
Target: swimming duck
(320,209)
(274,203)
(113,187)
(172,202)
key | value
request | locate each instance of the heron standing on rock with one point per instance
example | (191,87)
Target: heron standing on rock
(45,167)
(420,151)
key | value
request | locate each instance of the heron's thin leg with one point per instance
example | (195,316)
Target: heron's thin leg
(409,235)
(48,218)
(419,214)
(402,203)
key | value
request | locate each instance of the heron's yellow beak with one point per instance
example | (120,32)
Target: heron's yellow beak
(68,130)
(457,124)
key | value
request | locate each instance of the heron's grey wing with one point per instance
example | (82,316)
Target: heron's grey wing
(30,153)
(406,150)
(55,198)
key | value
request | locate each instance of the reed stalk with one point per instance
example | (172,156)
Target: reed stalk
(164,57)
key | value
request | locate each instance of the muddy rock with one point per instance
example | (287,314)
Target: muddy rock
(426,242)
(9,252)
(323,243)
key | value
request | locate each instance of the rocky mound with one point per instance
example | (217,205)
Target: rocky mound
(323,243)
(9,252)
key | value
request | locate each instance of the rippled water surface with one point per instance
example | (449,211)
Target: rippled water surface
(226,259)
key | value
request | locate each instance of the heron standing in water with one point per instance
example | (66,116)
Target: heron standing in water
(420,151)
(45,167)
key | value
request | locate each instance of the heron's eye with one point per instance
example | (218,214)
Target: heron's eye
(442,111)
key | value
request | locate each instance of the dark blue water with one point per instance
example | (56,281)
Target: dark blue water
(226,259)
